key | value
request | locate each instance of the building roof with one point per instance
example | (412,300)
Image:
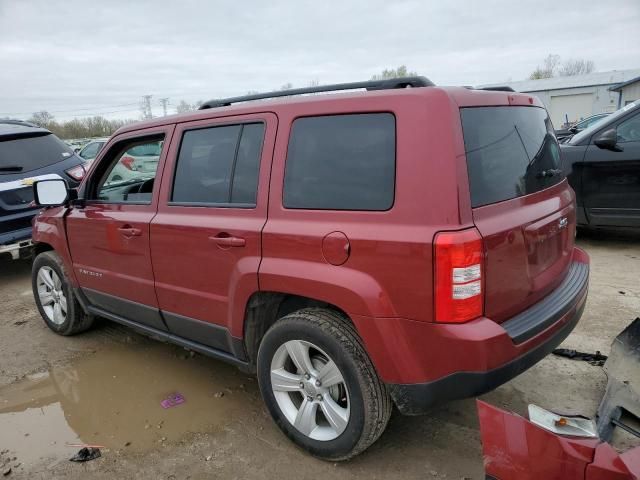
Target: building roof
(620,86)
(613,78)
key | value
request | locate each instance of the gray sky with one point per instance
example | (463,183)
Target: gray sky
(83,57)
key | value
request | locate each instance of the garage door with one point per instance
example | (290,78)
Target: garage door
(573,107)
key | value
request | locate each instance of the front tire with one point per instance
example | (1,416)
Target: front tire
(54,296)
(320,385)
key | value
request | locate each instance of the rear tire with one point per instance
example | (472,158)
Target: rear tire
(54,296)
(329,400)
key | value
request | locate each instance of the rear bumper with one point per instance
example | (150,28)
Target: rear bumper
(415,399)
(425,364)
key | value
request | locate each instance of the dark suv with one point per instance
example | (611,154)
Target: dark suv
(402,246)
(28,153)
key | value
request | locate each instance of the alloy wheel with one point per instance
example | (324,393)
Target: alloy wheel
(310,390)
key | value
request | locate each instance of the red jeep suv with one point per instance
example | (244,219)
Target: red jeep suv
(355,250)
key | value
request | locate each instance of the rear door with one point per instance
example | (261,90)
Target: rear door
(611,180)
(109,236)
(206,238)
(522,204)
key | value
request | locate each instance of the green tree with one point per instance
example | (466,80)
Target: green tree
(399,72)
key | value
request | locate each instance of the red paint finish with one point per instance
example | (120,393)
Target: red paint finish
(516,449)
(106,256)
(206,258)
(377,267)
(406,351)
(336,248)
(527,253)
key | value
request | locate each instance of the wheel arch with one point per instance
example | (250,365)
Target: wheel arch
(265,308)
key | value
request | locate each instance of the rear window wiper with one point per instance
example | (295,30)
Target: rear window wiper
(11,168)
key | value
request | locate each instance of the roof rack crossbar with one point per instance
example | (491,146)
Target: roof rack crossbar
(368,85)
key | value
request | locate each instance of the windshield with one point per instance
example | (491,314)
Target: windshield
(587,132)
(31,153)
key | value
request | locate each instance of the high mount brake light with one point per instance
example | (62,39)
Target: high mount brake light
(458,279)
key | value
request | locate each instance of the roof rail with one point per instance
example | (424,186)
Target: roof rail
(389,84)
(498,88)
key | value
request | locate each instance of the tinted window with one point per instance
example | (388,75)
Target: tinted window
(219,165)
(341,162)
(128,178)
(511,152)
(31,153)
(629,130)
(245,178)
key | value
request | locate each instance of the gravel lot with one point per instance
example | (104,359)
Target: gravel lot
(105,387)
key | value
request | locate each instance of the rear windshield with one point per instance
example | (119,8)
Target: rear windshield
(511,152)
(30,153)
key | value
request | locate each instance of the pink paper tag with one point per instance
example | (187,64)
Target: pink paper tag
(172,400)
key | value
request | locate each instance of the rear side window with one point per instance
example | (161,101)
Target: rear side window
(341,162)
(219,165)
(30,153)
(511,152)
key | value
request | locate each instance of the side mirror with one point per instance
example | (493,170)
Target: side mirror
(573,129)
(608,140)
(50,193)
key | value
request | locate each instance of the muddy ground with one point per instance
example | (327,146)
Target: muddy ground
(105,387)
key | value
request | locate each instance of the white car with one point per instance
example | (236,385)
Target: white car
(137,162)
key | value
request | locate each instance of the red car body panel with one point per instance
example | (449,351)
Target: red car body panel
(105,258)
(516,449)
(376,266)
(200,279)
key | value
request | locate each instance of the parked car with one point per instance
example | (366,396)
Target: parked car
(134,163)
(28,153)
(602,164)
(403,246)
(90,151)
(563,133)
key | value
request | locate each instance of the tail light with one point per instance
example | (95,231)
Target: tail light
(458,276)
(77,172)
(128,162)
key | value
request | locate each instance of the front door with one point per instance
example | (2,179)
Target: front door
(611,180)
(109,235)
(205,239)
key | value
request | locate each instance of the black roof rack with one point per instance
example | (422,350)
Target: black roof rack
(498,88)
(369,85)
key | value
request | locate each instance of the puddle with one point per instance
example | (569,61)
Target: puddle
(112,398)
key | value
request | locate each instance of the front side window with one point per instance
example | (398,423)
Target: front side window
(131,174)
(219,166)
(629,130)
(341,162)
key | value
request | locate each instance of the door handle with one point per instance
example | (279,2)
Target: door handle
(226,240)
(129,231)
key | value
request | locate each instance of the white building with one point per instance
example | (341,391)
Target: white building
(569,99)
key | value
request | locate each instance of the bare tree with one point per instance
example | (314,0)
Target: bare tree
(42,118)
(399,72)
(184,107)
(576,66)
(548,68)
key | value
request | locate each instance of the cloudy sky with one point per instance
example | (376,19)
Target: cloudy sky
(87,57)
